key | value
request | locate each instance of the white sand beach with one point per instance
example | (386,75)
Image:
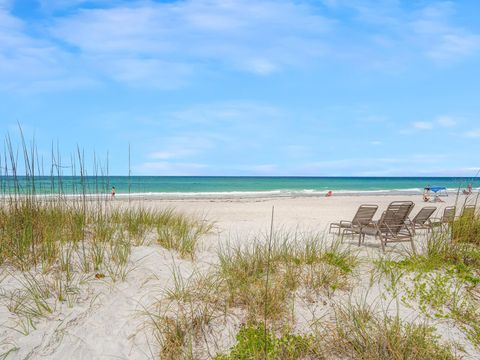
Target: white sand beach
(107,321)
(240,215)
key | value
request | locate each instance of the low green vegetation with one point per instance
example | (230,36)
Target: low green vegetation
(181,233)
(35,232)
(361,332)
(466,229)
(443,280)
(53,242)
(254,341)
(443,295)
(70,247)
(258,281)
(263,278)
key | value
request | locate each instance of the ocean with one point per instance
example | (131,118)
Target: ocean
(217,185)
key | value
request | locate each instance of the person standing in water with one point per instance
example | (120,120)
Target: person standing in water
(114,191)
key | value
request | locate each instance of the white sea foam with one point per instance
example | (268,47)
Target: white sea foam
(239,194)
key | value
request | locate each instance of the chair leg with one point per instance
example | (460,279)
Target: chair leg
(383,244)
(413,246)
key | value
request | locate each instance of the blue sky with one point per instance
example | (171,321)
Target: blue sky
(247,87)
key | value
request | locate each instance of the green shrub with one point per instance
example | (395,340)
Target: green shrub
(255,342)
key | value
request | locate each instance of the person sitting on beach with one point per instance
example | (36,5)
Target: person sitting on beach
(426,194)
(329,193)
(468,190)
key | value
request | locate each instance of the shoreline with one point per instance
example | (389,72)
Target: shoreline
(274,194)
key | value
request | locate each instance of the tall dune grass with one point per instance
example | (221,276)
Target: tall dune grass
(466,229)
(56,232)
(38,218)
(362,332)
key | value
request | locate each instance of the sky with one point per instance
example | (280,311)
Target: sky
(246,87)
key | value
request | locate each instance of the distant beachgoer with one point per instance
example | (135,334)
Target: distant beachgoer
(114,191)
(468,190)
(426,194)
(329,193)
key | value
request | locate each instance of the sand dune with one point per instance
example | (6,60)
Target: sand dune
(108,319)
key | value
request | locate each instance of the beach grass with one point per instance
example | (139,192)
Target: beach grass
(51,245)
(360,332)
(363,332)
(466,229)
(291,262)
(256,282)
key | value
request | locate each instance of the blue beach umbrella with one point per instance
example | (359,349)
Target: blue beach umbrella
(436,189)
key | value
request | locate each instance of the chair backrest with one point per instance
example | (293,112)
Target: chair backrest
(423,215)
(468,211)
(393,219)
(449,214)
(364,214)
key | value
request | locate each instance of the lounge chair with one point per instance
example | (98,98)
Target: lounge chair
(364,216)
(392,226)
(421,221)
(446,220)
(468,211)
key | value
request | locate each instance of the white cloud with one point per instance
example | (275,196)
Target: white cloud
(227,112)
(53,5)
(165,44)
(181,146)
(429,31)
(145,72)
(261,169)
(170,168)
(452,47)
(423,125)
(473,133)
(257,37)
(384,166)
(441,121)
(172,154)
(5,4)
(28,63)
(446,121)
(442,41)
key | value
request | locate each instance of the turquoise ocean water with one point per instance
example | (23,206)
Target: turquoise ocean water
(224,185)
